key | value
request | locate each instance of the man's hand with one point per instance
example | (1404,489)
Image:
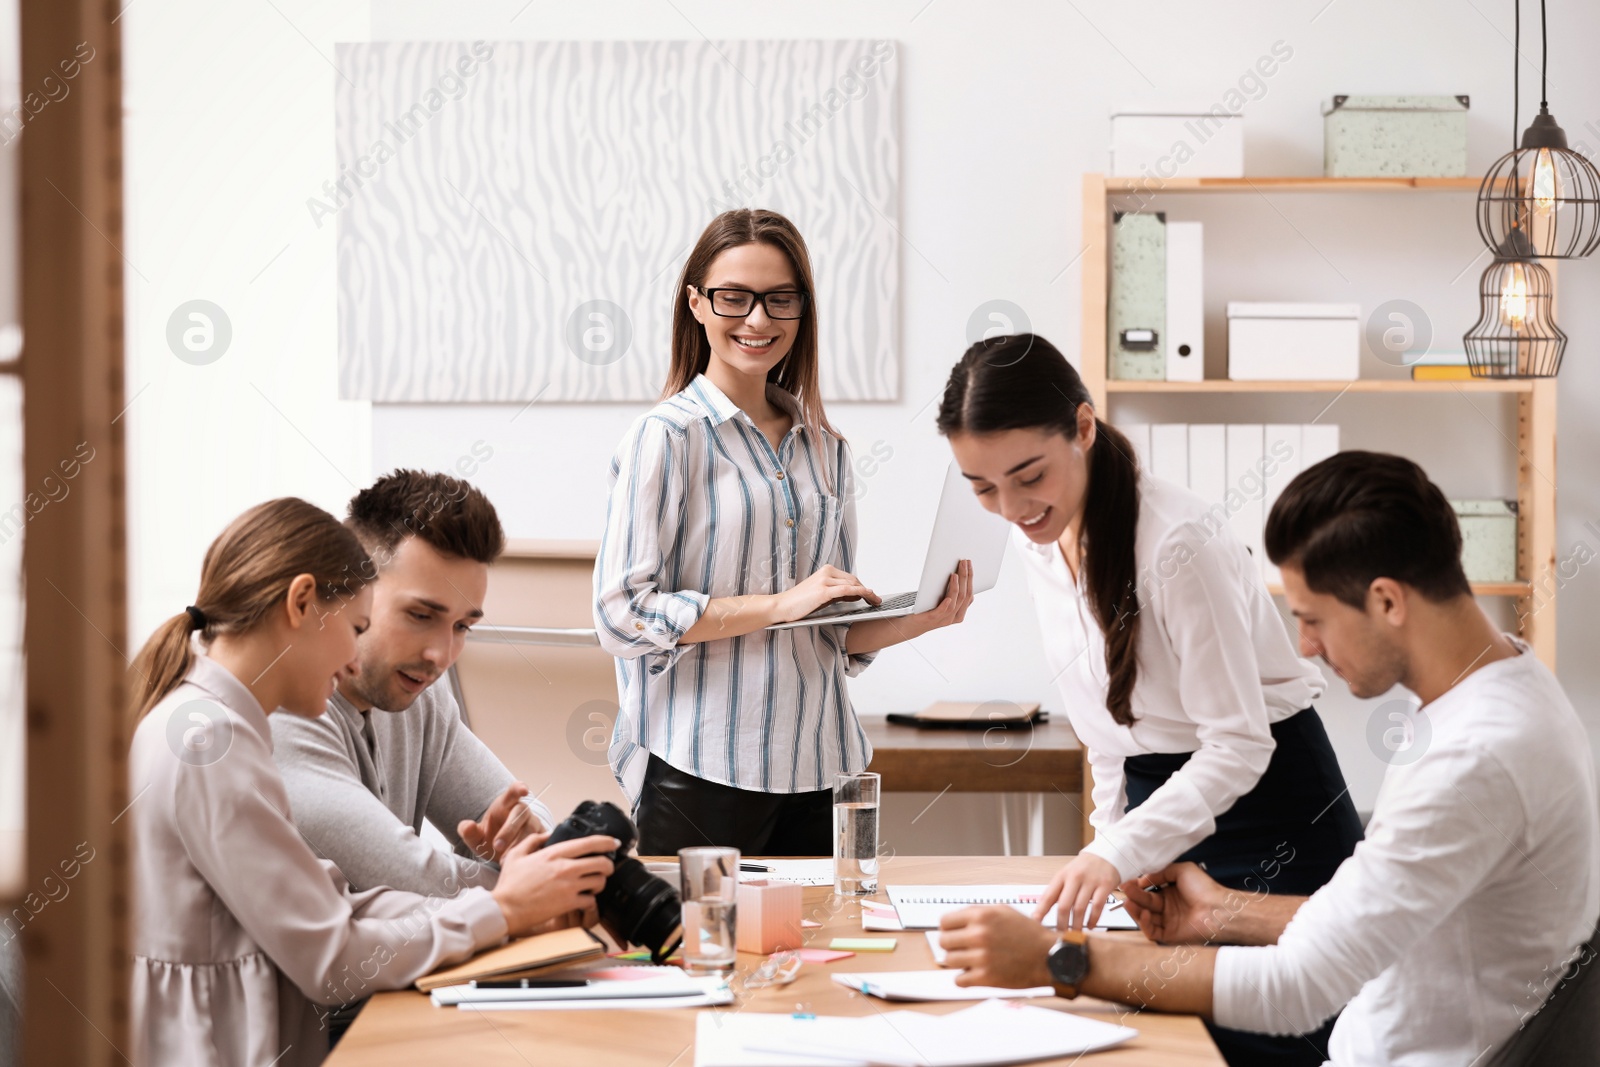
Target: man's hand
(507,821)
(1081,888)
(996,945)
(537,887)
(1189,909)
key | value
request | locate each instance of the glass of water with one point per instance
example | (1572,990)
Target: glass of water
(709,880)
(855,834)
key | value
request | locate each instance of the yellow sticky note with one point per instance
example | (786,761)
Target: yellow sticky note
(862,944)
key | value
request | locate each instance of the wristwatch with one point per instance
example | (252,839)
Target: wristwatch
(1069,962)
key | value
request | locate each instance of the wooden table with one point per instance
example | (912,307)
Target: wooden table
(1047,758)
(405,1028)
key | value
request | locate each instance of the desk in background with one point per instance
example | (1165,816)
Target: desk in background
(1048,758)
(404,1028)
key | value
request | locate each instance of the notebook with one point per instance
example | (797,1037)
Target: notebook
(519,959)
(920,907)
(970,715)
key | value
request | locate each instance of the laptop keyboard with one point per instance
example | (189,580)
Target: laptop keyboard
(893,603)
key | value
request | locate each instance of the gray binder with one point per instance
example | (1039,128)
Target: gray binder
(1138,312)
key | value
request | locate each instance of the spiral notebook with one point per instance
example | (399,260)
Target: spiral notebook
(922,906)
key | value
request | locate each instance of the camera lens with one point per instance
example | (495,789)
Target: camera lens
(643,909)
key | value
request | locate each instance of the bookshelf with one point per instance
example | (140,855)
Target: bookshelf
(1535,441)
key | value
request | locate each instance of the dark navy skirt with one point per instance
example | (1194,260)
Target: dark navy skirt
(1287,835)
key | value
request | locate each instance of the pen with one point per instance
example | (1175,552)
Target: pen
(530,983)
(759,868)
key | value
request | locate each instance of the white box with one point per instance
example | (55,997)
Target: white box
(1169,452)
(1185,342)
(1293,342)
(1185,141)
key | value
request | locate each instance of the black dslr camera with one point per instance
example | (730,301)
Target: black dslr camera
(638,906)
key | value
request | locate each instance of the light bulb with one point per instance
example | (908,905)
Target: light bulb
(1514,298)
(1544,183)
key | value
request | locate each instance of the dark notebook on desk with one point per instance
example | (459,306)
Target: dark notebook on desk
(971,715)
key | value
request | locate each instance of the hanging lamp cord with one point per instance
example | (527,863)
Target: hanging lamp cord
(1544,59)
(1516,70)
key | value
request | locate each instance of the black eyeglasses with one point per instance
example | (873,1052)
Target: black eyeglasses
(737,303)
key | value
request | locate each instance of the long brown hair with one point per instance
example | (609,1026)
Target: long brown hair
(691,350)
(247,571)
(1021,381)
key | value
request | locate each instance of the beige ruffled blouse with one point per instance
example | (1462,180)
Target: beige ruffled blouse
(241,934)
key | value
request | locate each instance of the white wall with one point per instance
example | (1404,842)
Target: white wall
(1004,105)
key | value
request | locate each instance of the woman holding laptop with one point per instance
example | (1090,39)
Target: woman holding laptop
(731,509)
(1174,666)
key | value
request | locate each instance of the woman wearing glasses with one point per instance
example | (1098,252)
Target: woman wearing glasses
(731,509)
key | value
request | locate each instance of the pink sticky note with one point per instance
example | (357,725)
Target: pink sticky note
(821,955)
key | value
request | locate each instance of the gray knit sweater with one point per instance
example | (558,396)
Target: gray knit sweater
(361,783)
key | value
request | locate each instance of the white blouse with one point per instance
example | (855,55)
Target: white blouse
(1216,668)
(240,931)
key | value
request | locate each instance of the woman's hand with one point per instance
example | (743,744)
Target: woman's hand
(827,585)
(1081,887)
(953,608)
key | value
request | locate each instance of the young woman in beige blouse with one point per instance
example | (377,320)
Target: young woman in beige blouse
(240,930)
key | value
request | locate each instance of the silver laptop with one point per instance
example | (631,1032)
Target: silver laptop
(961,530)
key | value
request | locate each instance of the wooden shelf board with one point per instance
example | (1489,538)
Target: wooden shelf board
(1308,184)
(1360,385)
(1478,589)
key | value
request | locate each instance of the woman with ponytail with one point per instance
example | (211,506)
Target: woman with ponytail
(1174,665)
(240,931)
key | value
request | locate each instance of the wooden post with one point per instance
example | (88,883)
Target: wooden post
(75,947)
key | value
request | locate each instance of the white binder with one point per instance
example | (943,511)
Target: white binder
(1246,485)
(1281,462)
(1208,464)
(1318,441)
(1138,434)
(1186,309)
(1169,452)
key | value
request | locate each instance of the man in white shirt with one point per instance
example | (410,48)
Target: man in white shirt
(1479,878)
(392,750)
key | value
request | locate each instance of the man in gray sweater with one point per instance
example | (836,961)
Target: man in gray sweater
(392,750)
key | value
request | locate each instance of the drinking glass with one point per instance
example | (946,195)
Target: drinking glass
(709,880)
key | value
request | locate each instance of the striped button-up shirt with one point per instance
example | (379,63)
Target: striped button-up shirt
(703,506)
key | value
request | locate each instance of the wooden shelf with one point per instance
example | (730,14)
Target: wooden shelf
(1478,589)
(1121,186)
(1360,385)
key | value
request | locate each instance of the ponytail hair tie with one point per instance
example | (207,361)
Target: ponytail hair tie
(196,617)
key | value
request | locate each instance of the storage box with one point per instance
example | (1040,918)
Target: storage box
(1394,137)
(1177,142)
(1293,342)
(1488,539)
(769,916)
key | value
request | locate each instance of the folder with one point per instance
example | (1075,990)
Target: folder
(1280,463)
(1208,462)
(1318,441)
(971,715)
(1246,487)
(1138,434)
(519,959)
(1169,452)
(1137,315)
(1185,343)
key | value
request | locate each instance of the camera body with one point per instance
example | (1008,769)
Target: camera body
(638,906)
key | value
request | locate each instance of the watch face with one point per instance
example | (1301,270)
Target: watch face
(1069,962)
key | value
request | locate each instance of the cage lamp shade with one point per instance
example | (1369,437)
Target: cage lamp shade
(1516,335)
(1545,192)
